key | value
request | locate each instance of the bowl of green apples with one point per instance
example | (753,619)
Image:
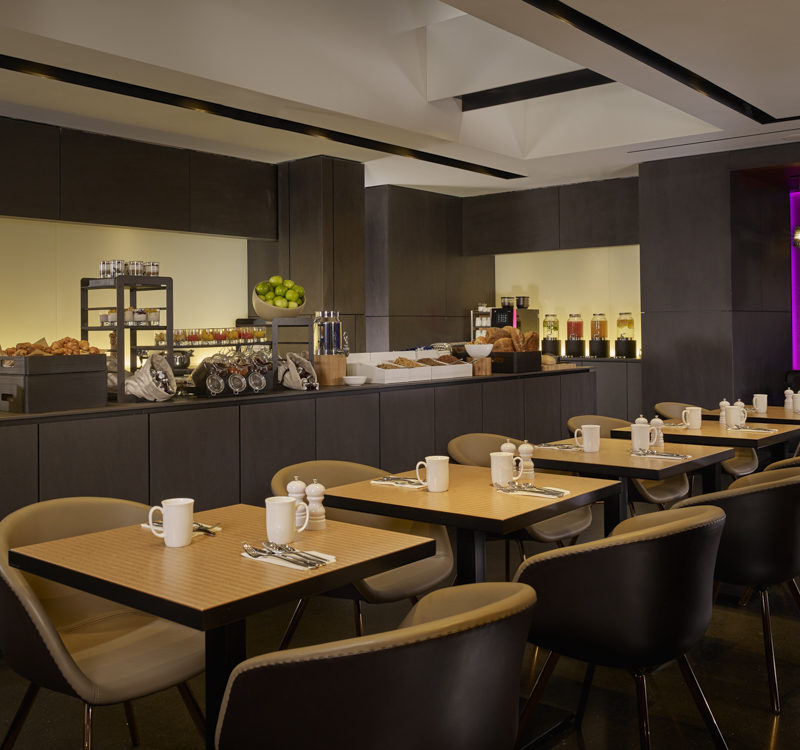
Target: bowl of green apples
(277,297)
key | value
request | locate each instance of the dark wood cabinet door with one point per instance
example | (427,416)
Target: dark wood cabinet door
(503,408)
(458,409)
(195,453)
(107,180)
(19,471)
(599,214)
(578,396)
(348,428)
(407,428)
(29,159)
(542,398)
(274,435)
(233,196)
(105,457)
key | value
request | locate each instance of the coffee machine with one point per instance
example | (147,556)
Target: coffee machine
(514,311)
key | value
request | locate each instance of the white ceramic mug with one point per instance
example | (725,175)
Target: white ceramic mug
(796,402)
(437,472)
(735,416)
(693,417)
(591,437)
(760,402)
(503,468)
(282,519)
(642,437)
(177,517)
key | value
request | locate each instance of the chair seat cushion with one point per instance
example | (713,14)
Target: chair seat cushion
(661,491)
(565,526)
(744,462)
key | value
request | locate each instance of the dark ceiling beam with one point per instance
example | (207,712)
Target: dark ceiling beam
(110,85)
(517,92)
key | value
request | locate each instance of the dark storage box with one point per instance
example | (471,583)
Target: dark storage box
(516,361)
(57,383)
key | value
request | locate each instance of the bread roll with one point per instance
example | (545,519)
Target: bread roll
(531,343)
(503,345)
(494,334)
(516,337)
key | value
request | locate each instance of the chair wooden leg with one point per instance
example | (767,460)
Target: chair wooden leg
(192,707)
(794,591)
(522,555)
(584,699)
(644,714)
(745,600)
(87,727)
(131,719)
(507,545)
(293,623)
(20,716)
(359,617)
(701,702)
(538,689)
(769,653)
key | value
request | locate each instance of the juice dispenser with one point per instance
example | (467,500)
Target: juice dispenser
(598,343)
(550,336)
(575,346)
(625,345)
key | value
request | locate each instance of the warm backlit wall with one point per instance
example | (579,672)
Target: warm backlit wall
(44,261)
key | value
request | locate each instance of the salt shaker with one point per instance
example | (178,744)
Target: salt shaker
(297,489)
(722,405)
(509,447)
(315,492)
(526,454)
(788,402)
(658,439)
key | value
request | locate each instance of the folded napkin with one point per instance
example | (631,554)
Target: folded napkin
(751,429)
(677,425)
(665,456)
(196,532)
(560,446)
(283,562)
(534,493)
(407,484)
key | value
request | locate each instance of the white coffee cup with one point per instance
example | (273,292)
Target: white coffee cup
(282,519)
(796,402)
(735,416)
(437,472)
(591,437)
(760,402)
(693,417)
(503,468)
(642,437)
(177,517)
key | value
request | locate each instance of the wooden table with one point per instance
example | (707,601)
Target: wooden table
(773,414)
(208,585)
(614,459)
(472,506)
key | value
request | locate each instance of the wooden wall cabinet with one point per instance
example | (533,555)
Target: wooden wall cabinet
(19,467)
(348,428)
(407,428)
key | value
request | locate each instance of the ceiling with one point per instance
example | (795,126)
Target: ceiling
(392,71)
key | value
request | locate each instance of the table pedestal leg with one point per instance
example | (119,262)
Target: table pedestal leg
(225,648)
(615,508)
(711,478)
(470,556)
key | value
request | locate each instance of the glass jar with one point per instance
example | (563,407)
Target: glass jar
(135,268)
(575,326)
(599,326)
(625,326)
(550,326)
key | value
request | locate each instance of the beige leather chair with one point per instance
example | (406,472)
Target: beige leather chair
(745,460)
(786,463)
(448,677)
(595,604)
(760,546)
(660,492)
(79,644)
(406,582)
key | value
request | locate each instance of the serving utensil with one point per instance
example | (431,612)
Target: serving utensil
(254,552)
(288,549)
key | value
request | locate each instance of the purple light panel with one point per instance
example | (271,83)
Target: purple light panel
(794,217)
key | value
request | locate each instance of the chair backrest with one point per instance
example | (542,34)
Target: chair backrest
(33,608)
(473,448)
(606,423)
(761,542)
(635,599)
(670,409)
(448,677)
(786,463)
(760,477)
(329,473)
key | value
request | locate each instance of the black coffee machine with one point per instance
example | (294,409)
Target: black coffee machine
(513,311)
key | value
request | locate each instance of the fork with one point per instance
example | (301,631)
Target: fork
(254,552)
(289,550)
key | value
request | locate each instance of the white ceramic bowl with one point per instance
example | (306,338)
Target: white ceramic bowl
(477,351)
(355,379)
(268,312)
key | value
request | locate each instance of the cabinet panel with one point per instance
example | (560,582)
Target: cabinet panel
(502,408)
(578,396)
(29,159)
(458,409)
(348,428)
(19,473)
(107,180)
(232,196)
(265,448)
(348,236)
(104,457)
(542,409)
(195,454)
(599,214)
(407,431)
(612,388)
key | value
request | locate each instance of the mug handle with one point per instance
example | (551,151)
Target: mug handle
(157,532)
(516,460)
(421,463)
(308,517)
(578,442)
(652,435)
(685,416)
(744,414)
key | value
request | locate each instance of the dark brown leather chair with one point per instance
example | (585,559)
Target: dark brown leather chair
(79,644)
(760,547)
(636,599)
(448,677)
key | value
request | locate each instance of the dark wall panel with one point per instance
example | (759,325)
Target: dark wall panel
(407,428)
(503,411)
(195,453)
(19,469)
(29,158)
(107,180)
(232,196)
(542,409)
(458,409)
(578,396)
(265,447)
(348,237)
(599,214)
(103,457)
(376,200)
(348,428)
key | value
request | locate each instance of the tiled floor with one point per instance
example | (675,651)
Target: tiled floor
(729,664)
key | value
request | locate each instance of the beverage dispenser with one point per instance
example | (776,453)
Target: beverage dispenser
(599,345)
(625,345)
(551,343)
(575,345)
